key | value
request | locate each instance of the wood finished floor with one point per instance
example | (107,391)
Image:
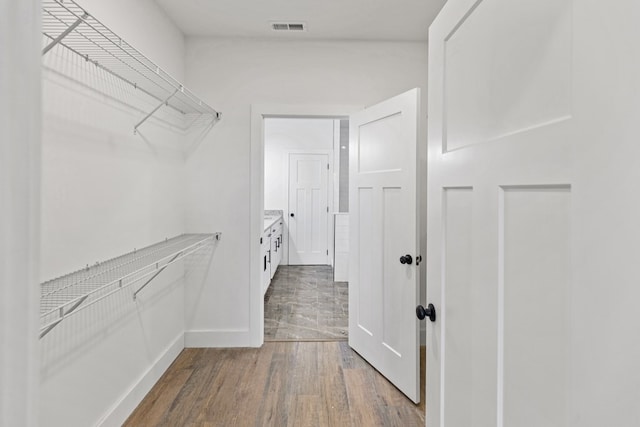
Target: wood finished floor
(280,384)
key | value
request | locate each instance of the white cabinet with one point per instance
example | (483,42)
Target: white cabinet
(276,246)
(271,249)
(279,235)
(265,259)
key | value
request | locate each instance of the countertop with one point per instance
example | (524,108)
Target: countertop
(270,219)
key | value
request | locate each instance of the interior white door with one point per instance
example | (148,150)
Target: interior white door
(533,214)
(308,209)
(383,213)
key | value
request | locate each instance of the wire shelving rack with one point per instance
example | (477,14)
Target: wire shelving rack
(69,294)
(67,24)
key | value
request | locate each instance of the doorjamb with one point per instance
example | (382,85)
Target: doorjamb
(258,113)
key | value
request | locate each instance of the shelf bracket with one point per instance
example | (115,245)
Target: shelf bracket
(135,294)
(62,316)
(64,34)
(165,102)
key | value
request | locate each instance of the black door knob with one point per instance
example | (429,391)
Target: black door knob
(429,312)
(407,259)
(292,215)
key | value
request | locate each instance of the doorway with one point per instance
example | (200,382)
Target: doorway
(260,114)
(303,301)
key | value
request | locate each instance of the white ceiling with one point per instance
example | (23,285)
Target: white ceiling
(395,20)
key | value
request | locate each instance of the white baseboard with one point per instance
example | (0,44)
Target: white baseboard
(213,338)
(117,415)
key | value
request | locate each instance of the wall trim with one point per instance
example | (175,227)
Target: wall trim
(218,338)
(337,154)
(119,413)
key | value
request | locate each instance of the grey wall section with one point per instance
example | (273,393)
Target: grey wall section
(344,166)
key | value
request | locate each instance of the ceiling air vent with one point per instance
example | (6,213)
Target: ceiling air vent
(289,26)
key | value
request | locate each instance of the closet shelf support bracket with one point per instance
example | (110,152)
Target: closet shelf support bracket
(63,314)
(165,102)
(65,33)
(135,294)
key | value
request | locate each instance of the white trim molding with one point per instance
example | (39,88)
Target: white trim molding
(216,338)
(119,413)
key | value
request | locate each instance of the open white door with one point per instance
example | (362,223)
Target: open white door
(533,214)
(383,292)
(308,209)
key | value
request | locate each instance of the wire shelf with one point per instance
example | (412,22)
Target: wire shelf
(67,295)
(65,23)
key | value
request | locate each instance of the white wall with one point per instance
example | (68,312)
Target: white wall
(105,192)
(281,137)
(19,201)
(233,75)
(146,26)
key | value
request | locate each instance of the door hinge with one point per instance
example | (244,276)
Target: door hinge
(327,208)
(327,166)
(327,251)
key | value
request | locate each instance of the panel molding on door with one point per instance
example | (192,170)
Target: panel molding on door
(531,325)
(458,312)
(536,57)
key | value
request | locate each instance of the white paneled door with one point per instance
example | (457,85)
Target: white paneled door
(533,214)
(383,213)
(308,209)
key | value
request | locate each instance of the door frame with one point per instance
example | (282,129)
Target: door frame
(259,112)
(20,280)
(330,197)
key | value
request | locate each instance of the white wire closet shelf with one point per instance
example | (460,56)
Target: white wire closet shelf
(67,24)
(69,294)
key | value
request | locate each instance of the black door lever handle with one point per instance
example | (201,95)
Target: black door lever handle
(429,312)
(406,259)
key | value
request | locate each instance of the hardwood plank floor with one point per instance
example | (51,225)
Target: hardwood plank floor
(280,384)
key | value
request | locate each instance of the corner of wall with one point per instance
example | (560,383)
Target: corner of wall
(119,413)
